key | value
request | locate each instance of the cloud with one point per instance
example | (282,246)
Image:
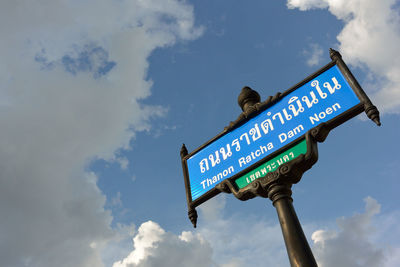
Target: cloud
(120,245)
(220,241)
(123,162)
(306,4)
(155,247)
(72,76)
(116,201)
(231,240)
(239,240)
(314,54)
(365,239)
(356,243)
(369,39)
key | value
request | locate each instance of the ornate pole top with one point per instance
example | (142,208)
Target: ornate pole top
(184,151)
(247,98)
(334,54)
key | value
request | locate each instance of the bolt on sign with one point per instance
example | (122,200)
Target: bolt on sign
(274,133)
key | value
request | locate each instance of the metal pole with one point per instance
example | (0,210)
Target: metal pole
(299,252)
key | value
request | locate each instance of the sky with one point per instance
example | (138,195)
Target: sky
(97,97)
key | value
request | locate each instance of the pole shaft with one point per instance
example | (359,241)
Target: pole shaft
(299,252)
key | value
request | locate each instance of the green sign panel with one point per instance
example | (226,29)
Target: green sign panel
(272,165)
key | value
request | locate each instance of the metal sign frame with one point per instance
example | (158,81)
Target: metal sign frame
(316,134)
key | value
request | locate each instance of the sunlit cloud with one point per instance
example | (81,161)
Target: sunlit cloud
(153,246)
(232,240)
(71,79)
(369,39)
(314,54)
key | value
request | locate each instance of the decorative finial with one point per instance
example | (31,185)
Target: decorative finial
(247,98)
(334,54)
(371,110)
(193,216)
(184,151)
(373,113)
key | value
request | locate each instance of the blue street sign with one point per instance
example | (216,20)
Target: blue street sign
(319,100)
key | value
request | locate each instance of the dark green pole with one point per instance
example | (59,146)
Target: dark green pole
(299,252)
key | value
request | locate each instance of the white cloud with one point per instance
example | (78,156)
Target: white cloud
(366,239)
(369,39)
(71,77)
(123,162)
(306,4)
(221,240)
(356,243)
(239,240)
(155,247)
(212,209)
(116,201)
(120,245)
(314,54)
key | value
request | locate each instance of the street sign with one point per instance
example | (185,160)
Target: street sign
(271,144)
(266,131)
(323,98)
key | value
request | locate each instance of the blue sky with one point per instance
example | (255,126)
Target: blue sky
(97,97)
